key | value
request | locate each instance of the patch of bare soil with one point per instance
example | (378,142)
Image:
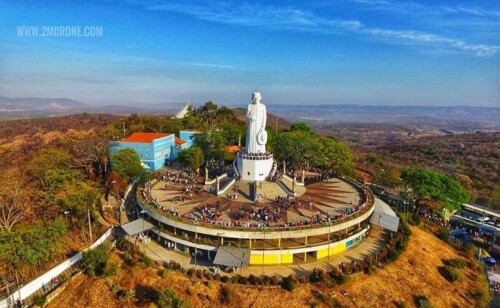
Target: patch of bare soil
(414,273)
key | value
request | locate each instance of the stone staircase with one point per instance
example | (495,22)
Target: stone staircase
(285,188)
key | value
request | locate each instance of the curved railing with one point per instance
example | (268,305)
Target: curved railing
(256,233)
(251,156)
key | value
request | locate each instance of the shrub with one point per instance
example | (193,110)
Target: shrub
(126,246)
(266,280)
(227,295)
(224,279)
(242,279)
(173,265)
(115,289)
(199,274)
(94,260)
(252,279)
(455,262)
(483,294)
(169,299)
(421,301)
(110,269)
(416,219)
(317,275)
(370,270)
(164,274)
(40,301)
(289,283)
(341,279)
(147,261)
(450,274)
(127,294)
(444,234)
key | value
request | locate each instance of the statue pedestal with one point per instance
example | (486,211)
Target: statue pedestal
(254,167)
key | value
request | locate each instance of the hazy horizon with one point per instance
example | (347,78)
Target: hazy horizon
(345,52)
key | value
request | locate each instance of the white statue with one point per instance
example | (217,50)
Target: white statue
(256,129)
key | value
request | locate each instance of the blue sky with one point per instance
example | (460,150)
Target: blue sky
(294,52)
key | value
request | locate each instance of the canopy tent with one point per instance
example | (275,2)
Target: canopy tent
(494,277)
(483,253)
(384,216)
(232,256)
(137,226)
(490,260)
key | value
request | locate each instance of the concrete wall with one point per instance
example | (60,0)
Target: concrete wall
(36,284)
(254,170)
(187,136)
(285,256)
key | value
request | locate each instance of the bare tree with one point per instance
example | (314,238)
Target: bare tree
(14,202)
(90,155)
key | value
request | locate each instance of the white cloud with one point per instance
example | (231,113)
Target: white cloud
(289,18)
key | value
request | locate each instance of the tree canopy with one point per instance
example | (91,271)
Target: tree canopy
(32,244)
(193,157)
(127,163)
(424,184)
(300,147)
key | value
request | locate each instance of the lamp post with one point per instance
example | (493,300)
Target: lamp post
(195,222)
(263,248)
(66,215)
(329,241)
(143,247)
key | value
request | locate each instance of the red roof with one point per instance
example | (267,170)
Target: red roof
(233,148)
(144,137)
(179,141)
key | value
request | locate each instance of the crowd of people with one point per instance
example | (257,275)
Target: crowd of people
(215,167)
(270,214)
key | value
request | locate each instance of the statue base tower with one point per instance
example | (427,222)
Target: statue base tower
(254,167)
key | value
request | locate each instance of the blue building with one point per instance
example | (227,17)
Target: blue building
(188,136)
(154,148)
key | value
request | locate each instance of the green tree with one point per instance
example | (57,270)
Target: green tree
(78,199)
(424,184)
(33,244)
(127,163)
(48,160)
(335,156)
(94,260)
(193,157)
(302,127)
(296,148)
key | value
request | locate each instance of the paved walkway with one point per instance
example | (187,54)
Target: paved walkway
(368,246)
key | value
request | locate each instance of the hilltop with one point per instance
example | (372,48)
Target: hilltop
(414,273)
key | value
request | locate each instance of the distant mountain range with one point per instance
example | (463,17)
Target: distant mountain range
(464,118)
(34,104)
(452,117)
(11,108)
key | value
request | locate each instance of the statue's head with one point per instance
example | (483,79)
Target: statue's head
(256,97)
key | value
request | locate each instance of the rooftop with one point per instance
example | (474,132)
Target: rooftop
(179,141)
(144,137)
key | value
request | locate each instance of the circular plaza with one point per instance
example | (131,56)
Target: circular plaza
(291,223)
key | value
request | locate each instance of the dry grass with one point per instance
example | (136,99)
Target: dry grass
(414,273)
